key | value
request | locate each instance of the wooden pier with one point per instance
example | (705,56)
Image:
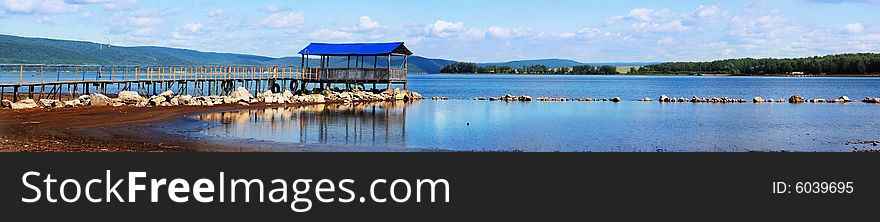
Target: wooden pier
(55,81)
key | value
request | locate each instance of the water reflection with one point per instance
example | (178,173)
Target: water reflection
(368,124)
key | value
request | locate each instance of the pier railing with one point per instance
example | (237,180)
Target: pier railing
(355,74)
(36,74)
(41,74)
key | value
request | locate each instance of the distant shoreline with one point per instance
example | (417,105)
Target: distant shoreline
(670,74)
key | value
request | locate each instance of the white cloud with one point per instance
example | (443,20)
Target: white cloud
(498,32)
(121,5)
(708,11)
(283,20)
(673,26)
(366,23)
(38,6)
(854,28)
(474,34)
(194,27)
(330,35)
(641,14)
(444,29)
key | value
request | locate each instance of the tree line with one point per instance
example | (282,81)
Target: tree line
(469,67)
(861,63)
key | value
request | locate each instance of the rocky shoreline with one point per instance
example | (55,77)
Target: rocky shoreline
(240,96)
(667,99)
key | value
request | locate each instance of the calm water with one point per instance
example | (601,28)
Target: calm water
(579,126)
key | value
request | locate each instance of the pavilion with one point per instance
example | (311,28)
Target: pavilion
(362,64)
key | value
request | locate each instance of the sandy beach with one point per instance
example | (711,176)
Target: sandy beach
(103,129)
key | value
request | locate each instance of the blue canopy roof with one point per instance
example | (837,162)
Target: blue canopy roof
(355,49)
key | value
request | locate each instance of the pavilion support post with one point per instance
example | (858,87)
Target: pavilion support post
(389,73)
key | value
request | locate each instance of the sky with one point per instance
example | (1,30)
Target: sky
(468,30)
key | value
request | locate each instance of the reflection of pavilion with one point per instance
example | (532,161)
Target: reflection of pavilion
(369,124)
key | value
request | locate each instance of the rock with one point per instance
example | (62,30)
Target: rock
(287,94)
(399,95)
(175,101)
(85,99)
(796,99)
(130,97)
(871,100)
(241,94)
(646,99)
(72,103)
(615,99)
(663,99)
(415,95)
(184,99)
(157,100)
(844,99)
(758,100)
(312,98)
(48,103)
(269,99)
(24,104)
(167,94)
(5,104)
(99,100)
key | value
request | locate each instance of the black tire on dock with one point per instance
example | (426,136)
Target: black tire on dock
(275,87)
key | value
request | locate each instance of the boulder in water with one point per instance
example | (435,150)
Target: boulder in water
(758,100)
(796,99)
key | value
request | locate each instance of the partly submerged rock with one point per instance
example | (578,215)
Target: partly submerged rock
(796,99)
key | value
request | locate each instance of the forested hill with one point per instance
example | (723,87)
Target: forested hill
(861,63)
(14,49)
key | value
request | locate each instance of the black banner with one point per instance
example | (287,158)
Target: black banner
(466,186)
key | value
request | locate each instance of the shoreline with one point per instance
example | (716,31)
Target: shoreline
(154,129)
(668,74)
(101,129)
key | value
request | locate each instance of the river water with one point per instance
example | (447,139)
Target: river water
(629,126)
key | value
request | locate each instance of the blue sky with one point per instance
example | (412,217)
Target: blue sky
(469,30)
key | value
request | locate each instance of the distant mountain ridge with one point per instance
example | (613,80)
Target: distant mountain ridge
(15,49)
